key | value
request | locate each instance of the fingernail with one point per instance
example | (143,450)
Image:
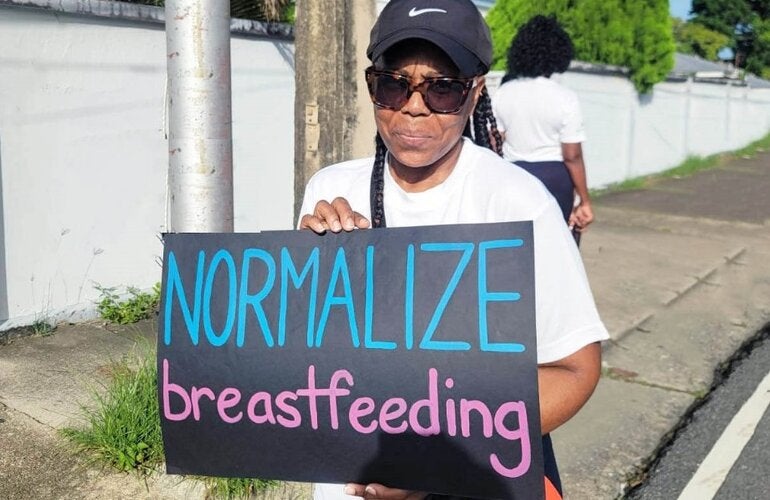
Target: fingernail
(336,226)
(349,224)
(349,490)
(371,490)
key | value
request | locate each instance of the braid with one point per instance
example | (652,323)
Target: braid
(377,186)
(485,125)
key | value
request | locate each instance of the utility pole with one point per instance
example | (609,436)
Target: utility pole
(332,110)
(200,170)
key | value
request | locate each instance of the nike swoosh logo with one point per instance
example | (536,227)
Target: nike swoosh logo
(418,12)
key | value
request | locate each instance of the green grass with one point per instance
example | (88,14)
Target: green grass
(122,428)
(233,487)
(690,166)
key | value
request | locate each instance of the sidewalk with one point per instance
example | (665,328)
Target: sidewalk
(681,276)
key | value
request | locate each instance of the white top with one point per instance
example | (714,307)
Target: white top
(537,116)
(485,188)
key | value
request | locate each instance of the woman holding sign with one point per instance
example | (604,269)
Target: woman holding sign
(433,166)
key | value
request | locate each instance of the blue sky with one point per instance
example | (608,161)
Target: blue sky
(680,8)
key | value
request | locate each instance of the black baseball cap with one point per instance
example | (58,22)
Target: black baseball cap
(455,26)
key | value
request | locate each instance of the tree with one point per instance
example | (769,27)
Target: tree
(721,15)
(636,34)
(745,22)
(651,57)
(694,38)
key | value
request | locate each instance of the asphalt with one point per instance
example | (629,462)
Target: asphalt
(681,277)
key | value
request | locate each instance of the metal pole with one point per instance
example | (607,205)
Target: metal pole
(200,164)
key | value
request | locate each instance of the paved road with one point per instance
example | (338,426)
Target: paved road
(718,453)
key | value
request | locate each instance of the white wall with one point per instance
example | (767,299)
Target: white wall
(631,135)
(83,155)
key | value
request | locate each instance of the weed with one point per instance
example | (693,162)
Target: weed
(43,327)
(234,487)
(123,428)
(138,306)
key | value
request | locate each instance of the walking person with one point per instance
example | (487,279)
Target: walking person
(540,120)
(433,165)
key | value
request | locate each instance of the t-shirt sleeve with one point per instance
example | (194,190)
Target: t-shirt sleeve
(567,318)
(572,123)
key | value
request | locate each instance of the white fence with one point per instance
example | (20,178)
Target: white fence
(83,154)
(631,135)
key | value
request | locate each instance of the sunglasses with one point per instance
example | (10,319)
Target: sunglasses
(440,94)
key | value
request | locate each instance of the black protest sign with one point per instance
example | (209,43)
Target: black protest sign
(400,356)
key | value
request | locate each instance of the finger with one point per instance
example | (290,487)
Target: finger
(327,213)
(361,221)
(313,223)
(355,490)
(376,491)
(345,213)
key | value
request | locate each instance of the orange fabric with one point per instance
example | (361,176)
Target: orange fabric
(551,493)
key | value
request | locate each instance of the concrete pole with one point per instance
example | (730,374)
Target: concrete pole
(332,111)
(200,171)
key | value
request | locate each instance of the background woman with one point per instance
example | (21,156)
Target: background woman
(540,119)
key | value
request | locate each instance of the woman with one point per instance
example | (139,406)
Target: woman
(540,119)
(427,81)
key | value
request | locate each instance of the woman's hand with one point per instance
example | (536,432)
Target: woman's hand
(581,216)
(335,217)
(380,492)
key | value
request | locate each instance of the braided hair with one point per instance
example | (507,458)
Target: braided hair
(481,129)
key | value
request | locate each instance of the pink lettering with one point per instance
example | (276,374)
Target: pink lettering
(332,392)
(362,407)
(521,434)
(195,396)
(465,417)
(266,400)
(386,415)
(168,388)
(431,404)
(280,402)
(228,398)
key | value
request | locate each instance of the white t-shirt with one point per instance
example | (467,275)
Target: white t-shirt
(485,188)
(537,116)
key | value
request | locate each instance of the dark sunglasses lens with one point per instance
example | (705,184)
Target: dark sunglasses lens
(390,91)
(445,96)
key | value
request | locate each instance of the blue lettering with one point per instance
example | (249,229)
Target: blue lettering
(215,339)
(487,296)
(289,269)
(340,270)
(255,301)
(174,281)
(444,345)
(369,343)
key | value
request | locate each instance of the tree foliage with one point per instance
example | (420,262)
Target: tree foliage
(636,34)
(695,38)
(746,23)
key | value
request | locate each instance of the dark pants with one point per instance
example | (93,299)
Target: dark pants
(555,176)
